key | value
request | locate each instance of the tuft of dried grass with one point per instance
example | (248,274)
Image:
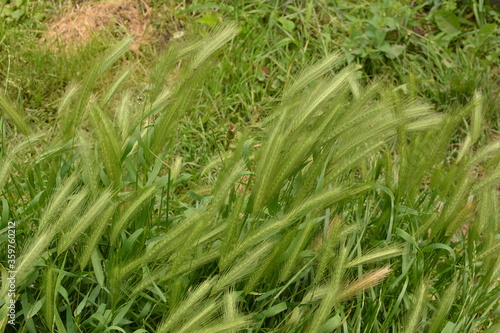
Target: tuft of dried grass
(81,21)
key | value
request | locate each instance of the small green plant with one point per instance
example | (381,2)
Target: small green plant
(382,35)
(14,11)
(23,12)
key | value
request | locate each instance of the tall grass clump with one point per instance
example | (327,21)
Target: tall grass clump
(349,212)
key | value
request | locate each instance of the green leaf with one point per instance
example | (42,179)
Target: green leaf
(449,328)
(267,294)
(273,311)
(128,245)
(59,323)
(376,34)
(34,310)
(407,237)
(208,19)
(332,324)
(440,246)
(96,263)
(7,11)
(485,32)
(119,318)
(64,293)
(80,306)
(115,328)
(276,84)
(493,329)
(286,24)
(195,195)
(18,14)
(283,42)
(392,51)
(447,22)
(39,17)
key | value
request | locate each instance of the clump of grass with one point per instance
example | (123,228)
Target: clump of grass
(338,227)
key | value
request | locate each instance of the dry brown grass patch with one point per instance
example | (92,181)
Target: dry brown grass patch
(80,22)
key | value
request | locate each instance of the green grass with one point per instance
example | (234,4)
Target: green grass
(255,176)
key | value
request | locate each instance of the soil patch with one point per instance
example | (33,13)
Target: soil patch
(78,23)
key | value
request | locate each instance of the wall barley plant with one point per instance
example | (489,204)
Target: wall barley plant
(350,211)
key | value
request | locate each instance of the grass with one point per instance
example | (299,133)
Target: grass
(256,176)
